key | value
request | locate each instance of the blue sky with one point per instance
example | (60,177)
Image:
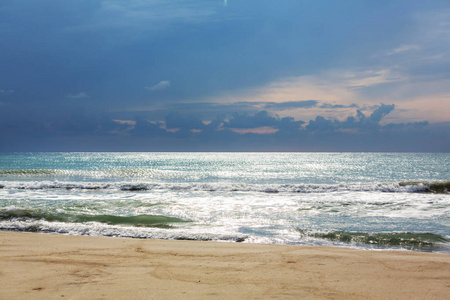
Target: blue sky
(206,75)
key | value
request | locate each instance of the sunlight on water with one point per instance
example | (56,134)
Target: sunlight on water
(351,199)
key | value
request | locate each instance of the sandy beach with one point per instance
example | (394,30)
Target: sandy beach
(43,266)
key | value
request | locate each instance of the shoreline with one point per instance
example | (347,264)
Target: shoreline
(43,266)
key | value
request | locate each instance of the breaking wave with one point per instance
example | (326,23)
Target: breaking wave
(402,187)
(137,221)
(403,239)
(440,187)
(109,230)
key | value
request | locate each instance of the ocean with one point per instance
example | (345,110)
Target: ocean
(394,201)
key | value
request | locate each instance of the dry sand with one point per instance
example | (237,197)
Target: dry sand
(42,266)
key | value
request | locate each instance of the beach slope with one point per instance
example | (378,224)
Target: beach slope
(43,266)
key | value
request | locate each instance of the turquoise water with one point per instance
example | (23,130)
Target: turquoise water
(361,200)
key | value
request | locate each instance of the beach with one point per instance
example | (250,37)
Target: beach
(47,266)
(224,225)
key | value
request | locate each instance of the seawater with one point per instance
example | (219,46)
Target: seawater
(361,200)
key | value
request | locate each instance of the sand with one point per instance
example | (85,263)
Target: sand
(44,266)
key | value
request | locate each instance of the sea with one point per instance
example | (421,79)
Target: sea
(376,201)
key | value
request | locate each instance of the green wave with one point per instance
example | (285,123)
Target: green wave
(137,221)
(438,187)
(408,239)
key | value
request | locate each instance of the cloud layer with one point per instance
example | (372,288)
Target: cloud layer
(260,131)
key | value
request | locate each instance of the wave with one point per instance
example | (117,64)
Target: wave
(402,187)
(136,221)
(441,187)
(404,239)
(27,172)
(102,229)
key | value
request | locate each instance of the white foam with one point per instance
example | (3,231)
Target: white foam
(211,187)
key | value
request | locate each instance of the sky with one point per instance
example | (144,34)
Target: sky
(236,75)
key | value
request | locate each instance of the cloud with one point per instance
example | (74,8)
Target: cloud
(337,106)
(292,104)
(345,87)
(258,130)
(137,20)
(80,95)
(265,132)
(159,86)
(380,112)
(84,130)
(360,123)
(321,124)
(404,48)
(418,96)
(144,128)
(211,110)
(262,123)
(261,119)
(6,92)
(183,121)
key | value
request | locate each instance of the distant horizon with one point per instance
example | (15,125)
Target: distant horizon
(325,152)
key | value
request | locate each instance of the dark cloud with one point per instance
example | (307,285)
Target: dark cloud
(260,119)
(83,130)
(322,124)
(183,121)
(292,104)
(288,126)
(380,112)
(143,128)
(212,110)
(406,126)
(333,106)
(361,122)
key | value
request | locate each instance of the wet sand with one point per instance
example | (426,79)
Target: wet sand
(44,266)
